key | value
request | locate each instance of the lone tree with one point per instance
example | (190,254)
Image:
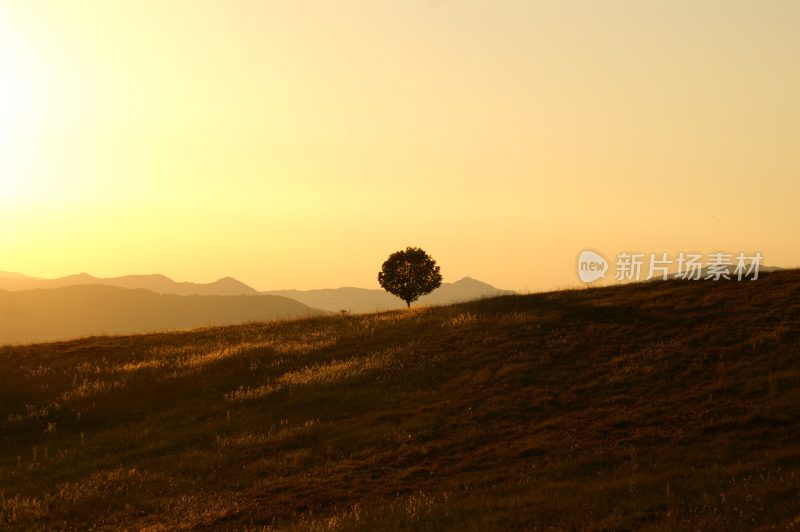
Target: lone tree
(409,274)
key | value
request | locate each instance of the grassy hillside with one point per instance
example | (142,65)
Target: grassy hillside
(671,405)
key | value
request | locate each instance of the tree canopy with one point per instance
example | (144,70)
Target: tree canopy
(409,274)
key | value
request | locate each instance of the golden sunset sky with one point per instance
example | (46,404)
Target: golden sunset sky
(295,144)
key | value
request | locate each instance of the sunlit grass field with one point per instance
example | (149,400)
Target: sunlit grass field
(667,405)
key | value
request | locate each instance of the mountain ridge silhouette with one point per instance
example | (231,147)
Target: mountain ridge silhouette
(350,299)
(158,283)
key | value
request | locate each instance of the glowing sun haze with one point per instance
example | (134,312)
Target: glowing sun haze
(298,143)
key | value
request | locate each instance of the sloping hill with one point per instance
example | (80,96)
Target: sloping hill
(74,311)
(372,300)
(656,405)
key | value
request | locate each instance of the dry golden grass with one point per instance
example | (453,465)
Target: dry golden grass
(662,405)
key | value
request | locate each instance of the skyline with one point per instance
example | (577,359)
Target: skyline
(297,145)
(592,269)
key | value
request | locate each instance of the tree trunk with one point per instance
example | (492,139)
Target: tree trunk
(408,304)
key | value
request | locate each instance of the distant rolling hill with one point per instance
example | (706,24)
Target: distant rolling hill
(160,284)
(370,300)
(73,311)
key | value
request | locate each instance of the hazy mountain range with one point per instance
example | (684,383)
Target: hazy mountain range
(35,310)
(328,299)
(28,316)
(160,284)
